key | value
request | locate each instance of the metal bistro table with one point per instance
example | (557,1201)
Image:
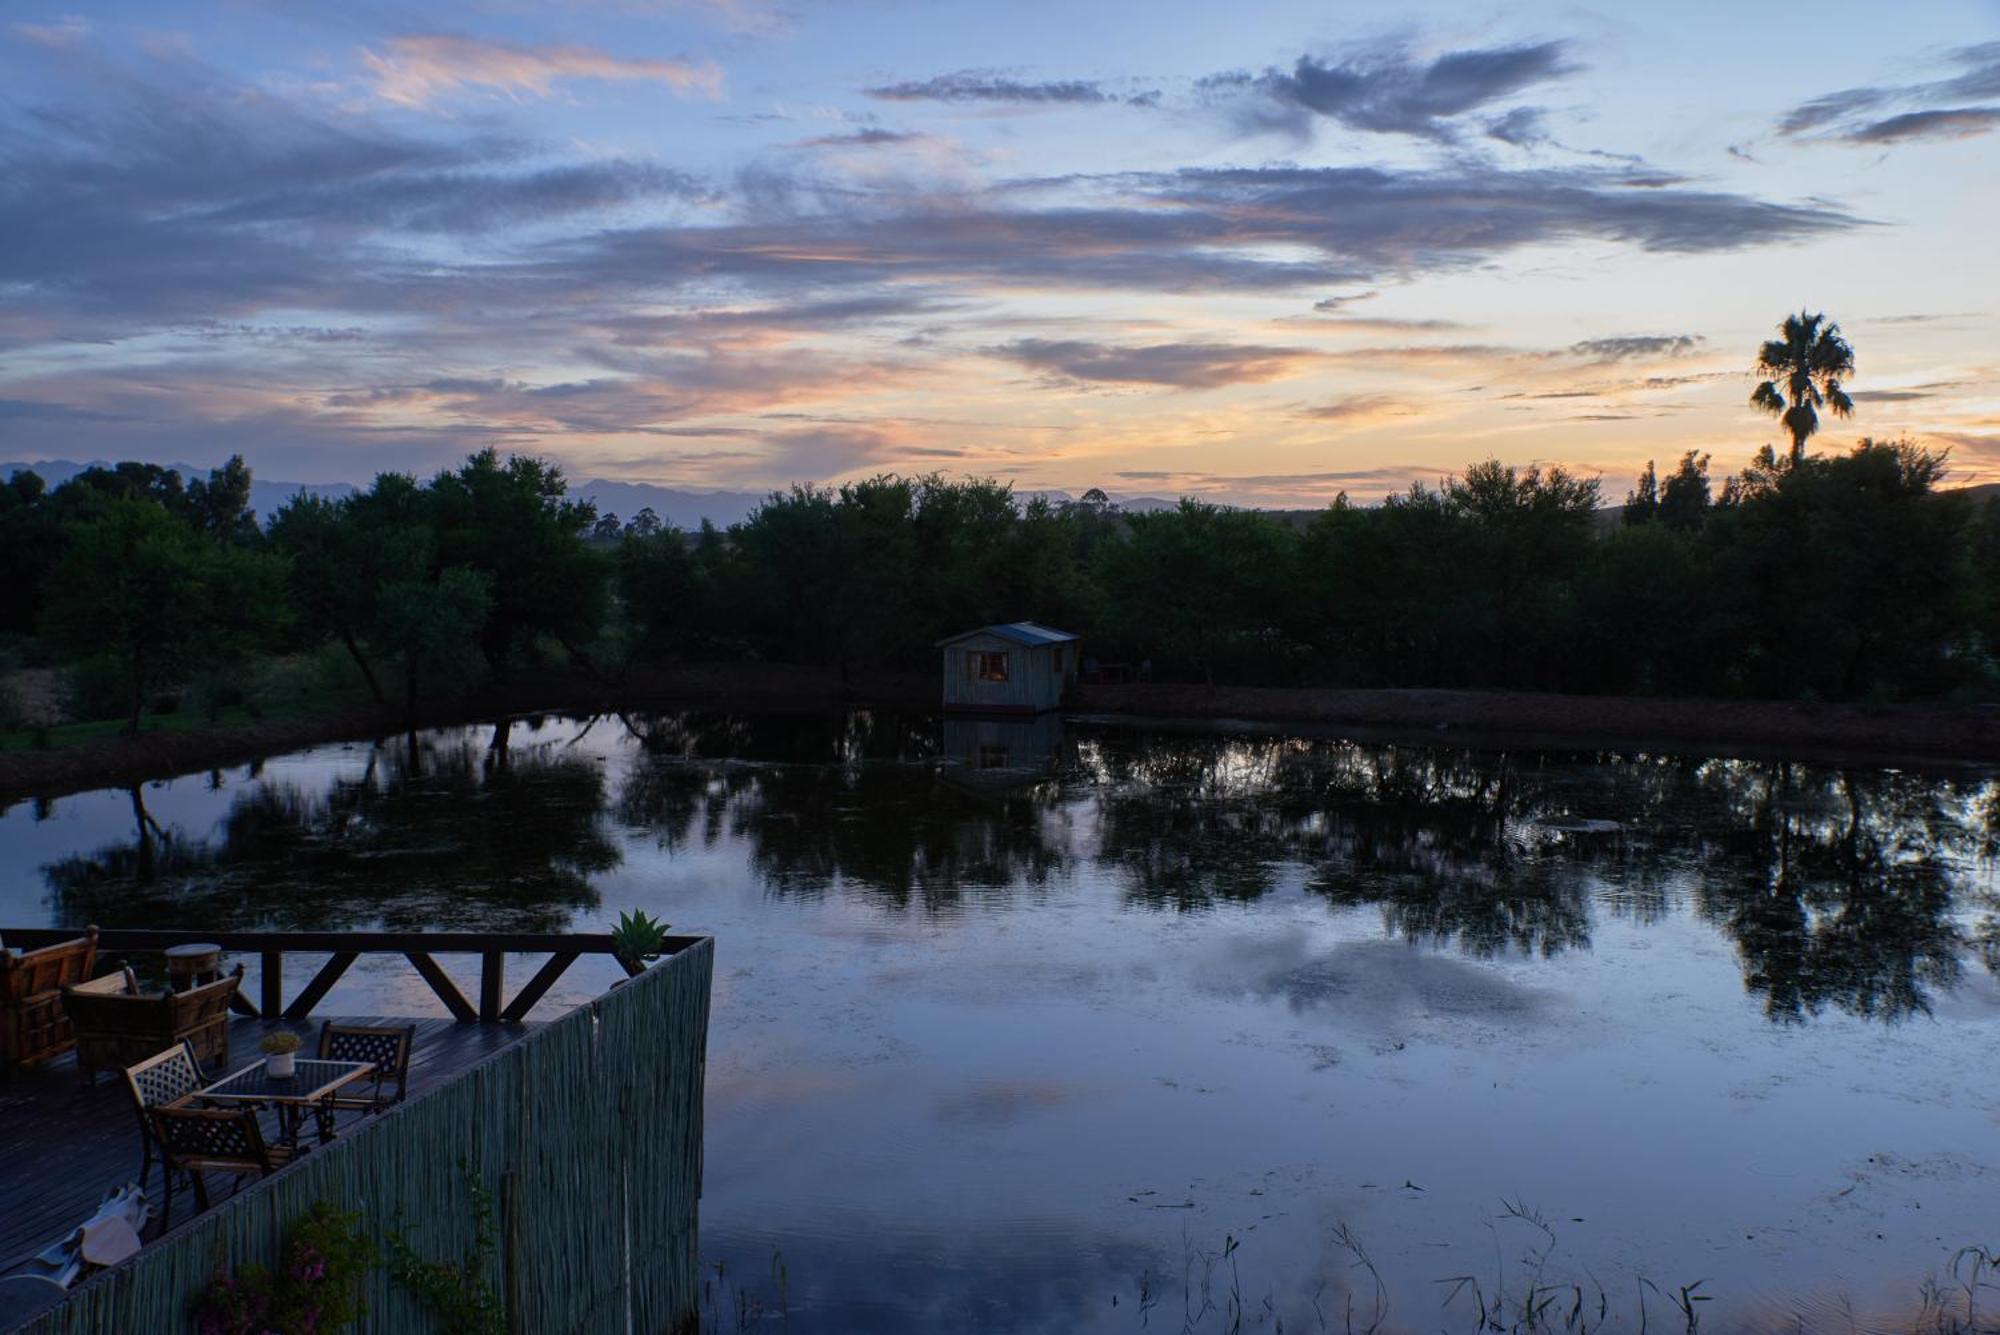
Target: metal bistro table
(310,1088)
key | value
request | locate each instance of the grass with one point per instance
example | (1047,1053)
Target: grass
(66,735)
(1533,1296)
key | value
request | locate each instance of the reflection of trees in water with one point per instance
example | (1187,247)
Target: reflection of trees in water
(898,832)
(1839,887)
(807,739)
(1843,890)
(456,836)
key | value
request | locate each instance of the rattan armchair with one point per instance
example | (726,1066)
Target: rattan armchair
(116,1031)
(33,1025)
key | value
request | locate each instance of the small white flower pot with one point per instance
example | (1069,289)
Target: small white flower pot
(279,1064)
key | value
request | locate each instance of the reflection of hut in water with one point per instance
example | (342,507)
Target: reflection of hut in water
(1015,668)
(989,754)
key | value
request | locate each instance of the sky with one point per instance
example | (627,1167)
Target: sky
(1261,253)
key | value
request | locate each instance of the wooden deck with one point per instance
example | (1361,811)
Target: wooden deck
(62,1146)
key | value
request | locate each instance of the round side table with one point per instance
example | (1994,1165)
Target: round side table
(192,965)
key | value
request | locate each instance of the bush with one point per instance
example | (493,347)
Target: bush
(95,688)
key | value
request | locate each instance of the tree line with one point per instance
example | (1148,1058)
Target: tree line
(1843,576)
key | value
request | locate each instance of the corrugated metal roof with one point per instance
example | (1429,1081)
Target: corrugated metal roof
(1020,632)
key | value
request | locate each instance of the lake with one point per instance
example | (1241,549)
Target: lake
(1067,1026)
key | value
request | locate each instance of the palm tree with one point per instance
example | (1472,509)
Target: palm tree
(1805,367)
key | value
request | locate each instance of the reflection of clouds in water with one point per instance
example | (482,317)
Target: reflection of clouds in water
(1378,983)
(998,1103)
(1047,1274)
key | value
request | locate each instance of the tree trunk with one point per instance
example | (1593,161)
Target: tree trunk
(138,691)
(148,865)
(367,673)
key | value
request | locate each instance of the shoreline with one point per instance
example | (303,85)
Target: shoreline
(1892,734)
(1898,734)
(775,688)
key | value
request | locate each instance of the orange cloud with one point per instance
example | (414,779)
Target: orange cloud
(415,71)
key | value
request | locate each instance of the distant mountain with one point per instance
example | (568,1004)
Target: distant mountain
(682,509)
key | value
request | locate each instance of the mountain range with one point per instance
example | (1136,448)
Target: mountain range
(682,509)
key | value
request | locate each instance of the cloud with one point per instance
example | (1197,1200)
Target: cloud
(415,71)
(70,31)
(990,86)
(1937,109)
(1176,365)
(1376,324)
(1636,347)
(1954,123)
(1358,408)
(1388,91)
(873,137)
(1522,127)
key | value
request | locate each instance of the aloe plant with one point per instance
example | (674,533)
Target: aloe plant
(638,937)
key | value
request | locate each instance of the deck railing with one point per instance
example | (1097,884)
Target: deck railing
(587,1133)
(343,948)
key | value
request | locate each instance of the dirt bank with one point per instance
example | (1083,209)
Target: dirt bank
(762,687)
(1907,733)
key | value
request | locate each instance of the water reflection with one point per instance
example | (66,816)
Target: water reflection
(448,834)
(874,807)
(1846,890)
(1856,891)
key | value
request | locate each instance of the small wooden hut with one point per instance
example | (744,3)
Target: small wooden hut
(1016,668)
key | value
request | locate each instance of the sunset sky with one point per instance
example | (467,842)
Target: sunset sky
(1258,252)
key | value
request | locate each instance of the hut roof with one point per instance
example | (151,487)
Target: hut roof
(1020,632)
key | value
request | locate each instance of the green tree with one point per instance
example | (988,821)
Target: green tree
(661,589)
(30,541)
(512,522)
(219,505)
(1804,366)
(1886,603)
(1530,534)
(1684,497)
(1642,503)
(430,623)
(1201,586)
(145,587)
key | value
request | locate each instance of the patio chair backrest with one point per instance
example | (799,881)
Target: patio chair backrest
(26,974)
(388,1048)
(33,1025)
(159,1080)
(206,1138)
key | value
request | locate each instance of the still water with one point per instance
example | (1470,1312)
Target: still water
(1053,1027)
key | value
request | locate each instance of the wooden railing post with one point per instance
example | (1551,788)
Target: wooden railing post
(271,983)
(492,978)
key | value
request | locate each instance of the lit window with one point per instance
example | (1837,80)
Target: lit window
(986,666)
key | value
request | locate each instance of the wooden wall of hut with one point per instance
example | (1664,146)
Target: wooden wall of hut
(587,1133)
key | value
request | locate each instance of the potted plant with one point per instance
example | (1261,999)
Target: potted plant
(279,1050)
(637,937)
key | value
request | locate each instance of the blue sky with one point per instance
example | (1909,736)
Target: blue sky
(1262,253)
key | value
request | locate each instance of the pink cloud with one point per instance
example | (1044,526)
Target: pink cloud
(415,71)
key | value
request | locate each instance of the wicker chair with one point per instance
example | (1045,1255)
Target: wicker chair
(113,1032)
(196,1141)
(388,1048)
(33,1026)
(168,1080)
